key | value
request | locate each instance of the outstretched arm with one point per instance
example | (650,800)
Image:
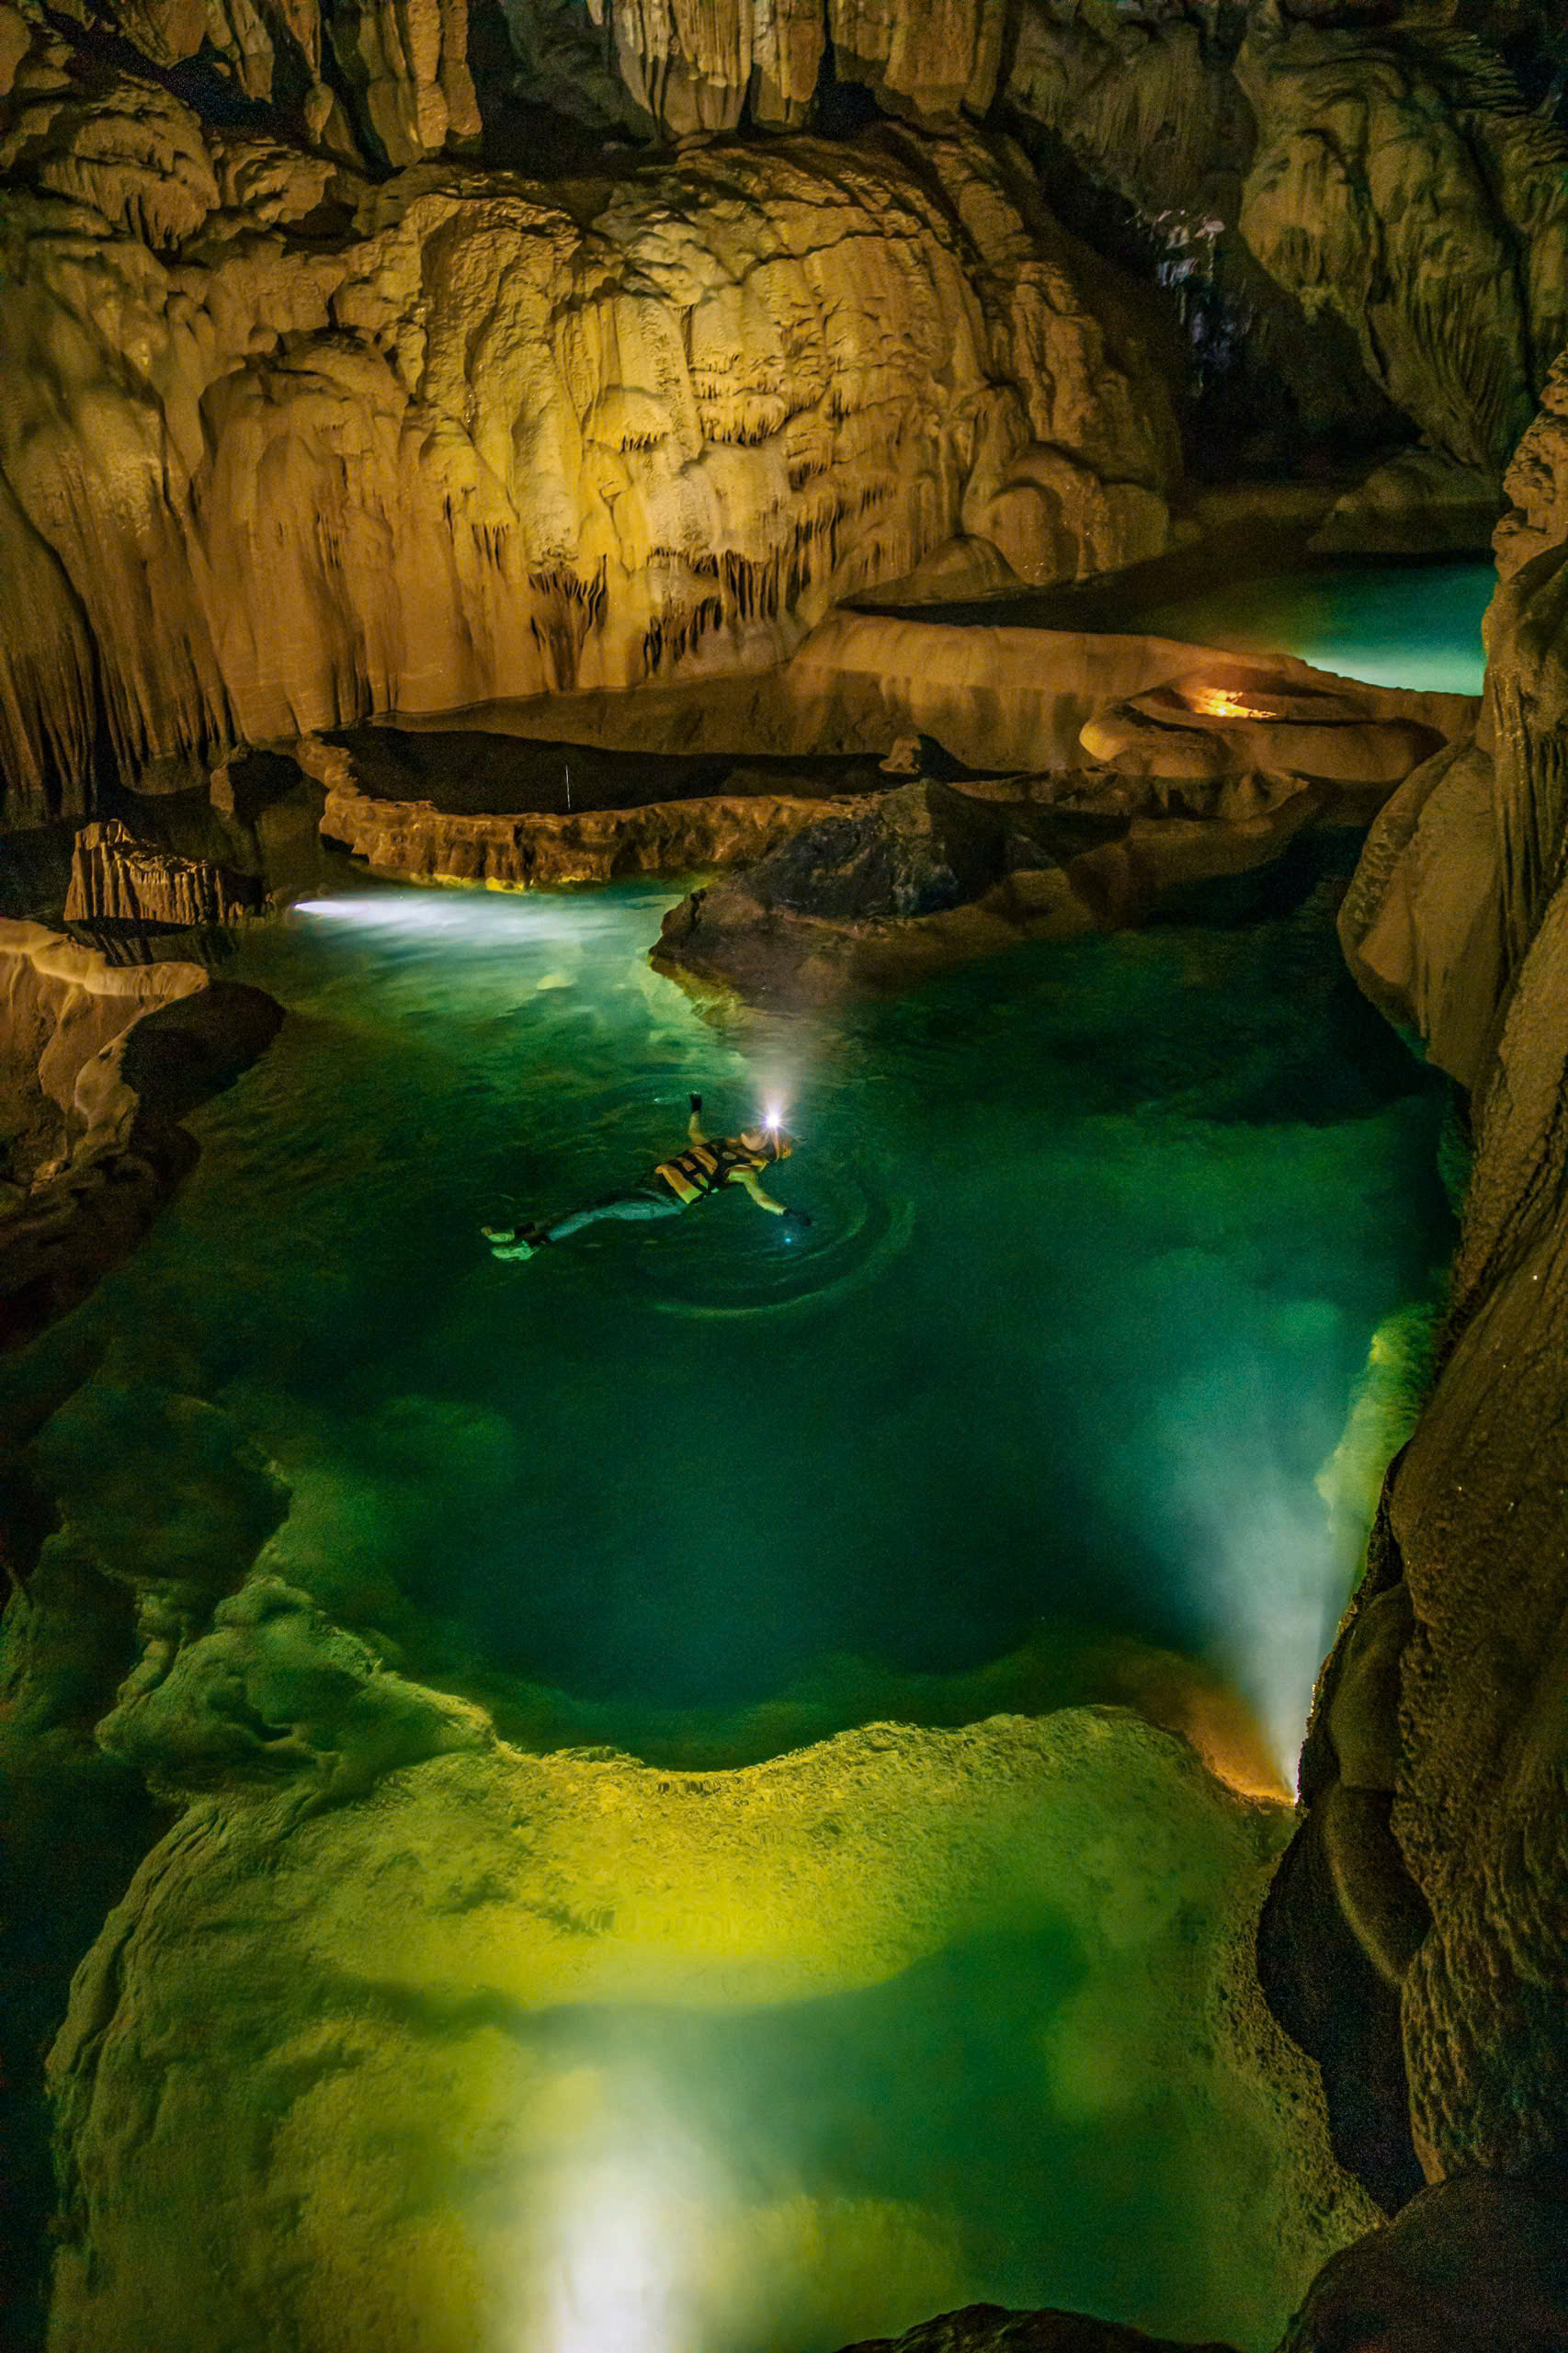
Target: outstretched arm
(765,1200)
(694,1125)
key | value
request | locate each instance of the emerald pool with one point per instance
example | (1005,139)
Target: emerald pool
(1077,1389)
(1101,1238)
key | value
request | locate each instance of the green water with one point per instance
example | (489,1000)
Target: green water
(1101,1235)
(1395,625)
(1071,1364)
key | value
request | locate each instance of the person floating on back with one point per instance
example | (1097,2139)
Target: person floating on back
(708,1165)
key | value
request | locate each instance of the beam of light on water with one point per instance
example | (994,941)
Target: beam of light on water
(484,918)
(1283,1561)
(614,2281)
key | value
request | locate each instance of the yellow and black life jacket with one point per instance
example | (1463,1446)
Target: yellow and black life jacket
(705,1168)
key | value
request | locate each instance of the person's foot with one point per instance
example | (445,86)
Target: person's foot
(515,1242)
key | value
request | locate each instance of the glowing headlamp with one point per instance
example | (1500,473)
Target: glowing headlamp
(773,1116)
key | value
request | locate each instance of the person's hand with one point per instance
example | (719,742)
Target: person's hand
(696,1102)
(796,1217)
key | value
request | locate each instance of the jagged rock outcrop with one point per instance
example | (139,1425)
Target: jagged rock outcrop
(886,892)
(1453,1882)
(115,878)
(1400,181)
(98,1062)
(911,882)
(283,449)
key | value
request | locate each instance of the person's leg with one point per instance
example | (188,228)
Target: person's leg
(648,1202)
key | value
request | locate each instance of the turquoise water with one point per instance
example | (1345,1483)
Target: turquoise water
(1091,1358)
(1102,1234)
(1395,625)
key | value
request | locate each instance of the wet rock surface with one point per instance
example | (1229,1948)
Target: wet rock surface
(600,431)
(1434,1845)
(100,1064)
(117,878)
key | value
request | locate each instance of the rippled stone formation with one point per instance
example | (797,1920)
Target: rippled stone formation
(97,1064)
(452,436)
(117,878)
(357,2015)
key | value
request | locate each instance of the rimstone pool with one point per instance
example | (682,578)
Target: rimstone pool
(1077,1389)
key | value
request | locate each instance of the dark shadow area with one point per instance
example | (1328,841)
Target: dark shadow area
(467,772)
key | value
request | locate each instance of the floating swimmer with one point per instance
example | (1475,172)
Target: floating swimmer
(708,1164)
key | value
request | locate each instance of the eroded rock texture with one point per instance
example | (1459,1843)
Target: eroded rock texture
(1401,182)
(282,449)
(97,1063)
(1443,1822)
(117,878)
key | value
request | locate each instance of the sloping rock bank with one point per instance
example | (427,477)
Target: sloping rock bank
(1001,700)
(98,1064)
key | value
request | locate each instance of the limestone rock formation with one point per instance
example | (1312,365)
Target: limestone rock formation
(1421,503)
(421,841)
(455,437)
(884,893)
(115,878)
(1439,1810)
(1214,724)
(99,1063)
(1400,181)
(1471,2266)
(1019,699)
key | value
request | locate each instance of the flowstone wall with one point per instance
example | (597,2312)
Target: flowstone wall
(283,447)
(1436,1770)
(321,401)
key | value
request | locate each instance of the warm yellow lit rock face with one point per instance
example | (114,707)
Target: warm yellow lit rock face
(370,2054)
(1402,183)
(283,449)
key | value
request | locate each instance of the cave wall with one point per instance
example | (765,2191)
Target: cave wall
(319,403)
(1459,927)
(283,446)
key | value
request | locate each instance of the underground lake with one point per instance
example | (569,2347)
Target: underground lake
(1075,1394)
